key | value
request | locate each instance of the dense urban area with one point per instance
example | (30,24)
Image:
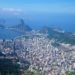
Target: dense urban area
(48,51)
(47,56)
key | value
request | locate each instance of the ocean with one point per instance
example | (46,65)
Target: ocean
(8,34)
(36,21)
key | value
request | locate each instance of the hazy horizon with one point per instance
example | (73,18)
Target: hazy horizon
(36,14)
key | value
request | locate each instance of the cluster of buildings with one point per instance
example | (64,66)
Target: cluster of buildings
(39,50)
(43,56)
(6,46)
(9,46)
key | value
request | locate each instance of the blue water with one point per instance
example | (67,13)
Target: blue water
(64,21)
(8,34)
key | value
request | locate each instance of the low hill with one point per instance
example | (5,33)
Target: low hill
(61,36)
(21,27)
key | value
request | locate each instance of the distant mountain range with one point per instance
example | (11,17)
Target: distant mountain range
(59,35)
(21,27)
(53,33)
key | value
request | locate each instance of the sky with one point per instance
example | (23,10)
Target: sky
(41,12)
(38,6)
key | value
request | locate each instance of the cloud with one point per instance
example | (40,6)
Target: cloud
(14,11)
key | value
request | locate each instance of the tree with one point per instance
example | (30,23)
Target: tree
(70,73)
(26,72)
